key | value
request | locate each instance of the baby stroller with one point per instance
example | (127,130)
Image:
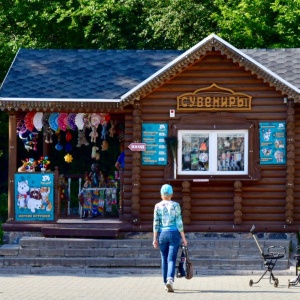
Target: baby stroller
(270,258)
(296,280)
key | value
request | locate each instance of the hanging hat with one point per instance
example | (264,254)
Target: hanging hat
(38,121)
(79,121)
(53,122)
(71,121)
(63,121)
(28,120)
(166,190)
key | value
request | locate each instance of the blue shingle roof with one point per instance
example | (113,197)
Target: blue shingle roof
(109,74)
(81,74)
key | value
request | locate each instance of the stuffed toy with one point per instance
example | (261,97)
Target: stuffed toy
(48,135)
(112,129)
(93,134)
(95,154)
(104,131)
(81,138)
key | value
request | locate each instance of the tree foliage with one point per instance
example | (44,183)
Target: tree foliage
(144,24)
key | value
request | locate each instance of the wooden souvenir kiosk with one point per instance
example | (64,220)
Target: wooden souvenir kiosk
(216,122)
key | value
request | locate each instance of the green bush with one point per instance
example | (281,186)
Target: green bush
(3,207)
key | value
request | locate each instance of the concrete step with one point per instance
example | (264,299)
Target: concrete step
(205,253)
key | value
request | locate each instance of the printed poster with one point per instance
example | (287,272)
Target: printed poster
(34,196)
(272,143)
(156,147)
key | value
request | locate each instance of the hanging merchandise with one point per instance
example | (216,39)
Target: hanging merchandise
(71,121)
(87,120)
(112,129)
(104,120)
(38,121)
(68,158)
(21,128)
(53,121)
(58,146)
(68,139)
(108,202)
(63,121)
(79,121)
(101,202)
(94,134)
(95,120)
(29,121)
(48,132)
(82,138)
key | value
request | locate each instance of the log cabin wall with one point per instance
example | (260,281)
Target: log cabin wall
(220,205)
(296,203)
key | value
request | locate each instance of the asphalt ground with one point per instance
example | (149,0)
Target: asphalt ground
(120,285)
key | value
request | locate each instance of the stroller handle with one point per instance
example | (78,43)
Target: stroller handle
(252,228)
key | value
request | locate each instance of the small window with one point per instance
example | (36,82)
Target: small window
(212,152)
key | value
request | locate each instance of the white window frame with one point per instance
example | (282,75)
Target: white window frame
(213,152)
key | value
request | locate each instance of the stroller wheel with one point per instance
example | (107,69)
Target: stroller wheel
(276,282)
(251,282)
(289,284)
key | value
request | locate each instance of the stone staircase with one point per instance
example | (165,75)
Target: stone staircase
(136,253)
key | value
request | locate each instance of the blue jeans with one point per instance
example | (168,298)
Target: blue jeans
(169,242)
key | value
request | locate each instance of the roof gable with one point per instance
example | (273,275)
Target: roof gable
(213,42)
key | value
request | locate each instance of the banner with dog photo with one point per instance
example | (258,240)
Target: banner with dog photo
(34,196)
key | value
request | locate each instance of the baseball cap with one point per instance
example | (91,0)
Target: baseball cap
(166,190)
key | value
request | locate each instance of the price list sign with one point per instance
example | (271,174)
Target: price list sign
(153,135)
(272,143)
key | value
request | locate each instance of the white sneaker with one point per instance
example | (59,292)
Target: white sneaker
(169,286)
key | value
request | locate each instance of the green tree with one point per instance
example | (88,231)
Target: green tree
(247,23)
(287,22)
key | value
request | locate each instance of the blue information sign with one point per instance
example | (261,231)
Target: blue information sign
(156,148)
(272,143)
(34,196)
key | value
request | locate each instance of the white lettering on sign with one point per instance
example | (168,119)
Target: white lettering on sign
(137,146)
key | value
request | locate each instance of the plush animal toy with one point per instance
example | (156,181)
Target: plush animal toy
(94,134)
(81,138)
(112,129)
(48,132)
(94,152)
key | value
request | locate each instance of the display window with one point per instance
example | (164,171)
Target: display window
(212,152)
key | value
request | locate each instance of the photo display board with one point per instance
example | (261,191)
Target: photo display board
(272,143)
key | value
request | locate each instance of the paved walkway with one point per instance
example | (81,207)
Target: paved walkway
(108,286)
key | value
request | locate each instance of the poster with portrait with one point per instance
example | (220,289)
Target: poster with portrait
(272,143)
(34,196)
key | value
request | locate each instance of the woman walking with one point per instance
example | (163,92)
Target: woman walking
(167,231)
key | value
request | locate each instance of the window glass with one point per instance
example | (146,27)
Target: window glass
(203,152)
